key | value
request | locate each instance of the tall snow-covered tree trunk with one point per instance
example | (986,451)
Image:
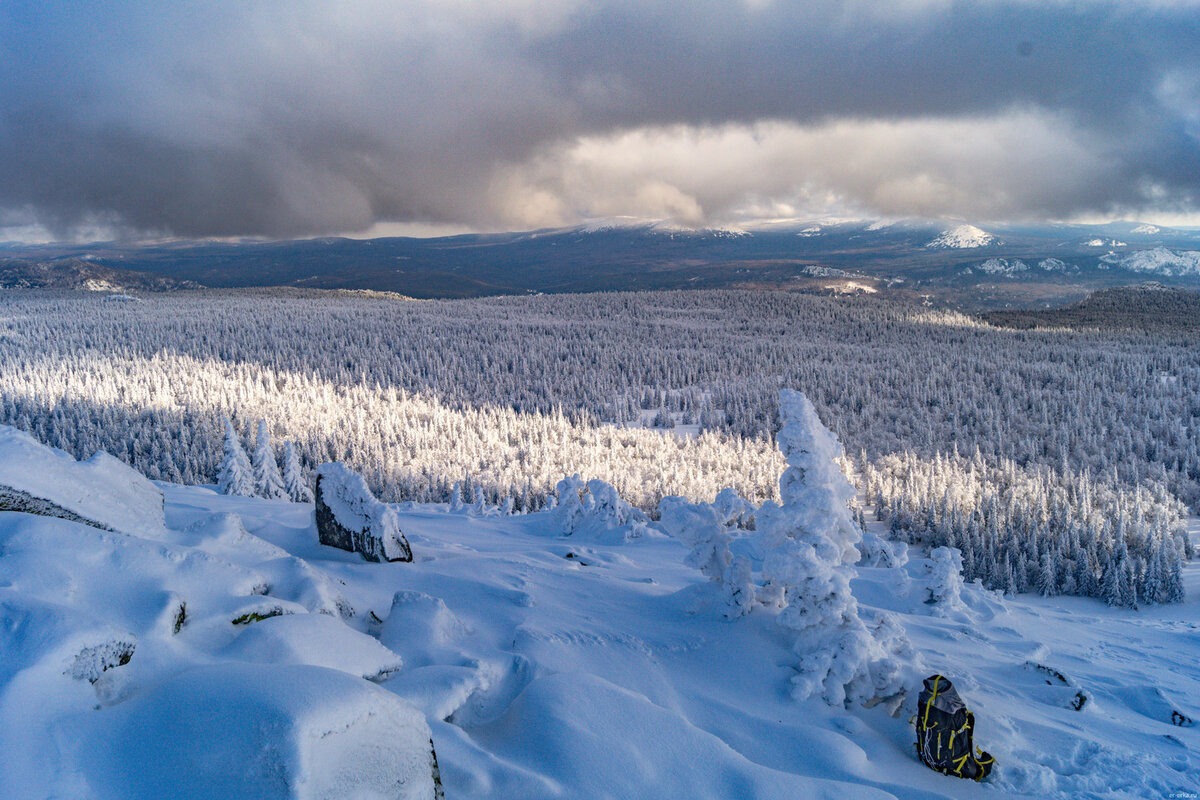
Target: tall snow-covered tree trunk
(235,475)
(267,479)
(811,552)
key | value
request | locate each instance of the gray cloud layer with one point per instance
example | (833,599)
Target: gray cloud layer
(305,117)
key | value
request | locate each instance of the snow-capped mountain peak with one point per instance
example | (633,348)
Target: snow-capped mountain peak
(962,237)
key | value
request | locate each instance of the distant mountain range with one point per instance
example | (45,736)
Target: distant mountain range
(957,265)
(79,274)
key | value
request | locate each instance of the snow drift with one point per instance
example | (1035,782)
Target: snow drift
(101,491)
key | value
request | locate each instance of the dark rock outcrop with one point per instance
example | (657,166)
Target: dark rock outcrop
(350,518)
(15,500)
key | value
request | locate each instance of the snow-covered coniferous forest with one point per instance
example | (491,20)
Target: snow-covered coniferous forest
(1087,444)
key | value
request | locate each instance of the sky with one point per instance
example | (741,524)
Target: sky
(282,119)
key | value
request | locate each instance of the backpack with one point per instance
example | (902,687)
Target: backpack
(944,732)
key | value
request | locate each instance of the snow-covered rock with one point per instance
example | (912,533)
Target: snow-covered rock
(240,730)
(101,491)
(316,639)
(1159,261)
(349,517)
(961,237)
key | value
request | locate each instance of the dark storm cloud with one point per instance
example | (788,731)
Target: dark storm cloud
(306,117)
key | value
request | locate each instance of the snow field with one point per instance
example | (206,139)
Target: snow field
(233,655)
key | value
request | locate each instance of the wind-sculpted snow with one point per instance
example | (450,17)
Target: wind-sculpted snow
(190,665)
(100,491)
(541,665)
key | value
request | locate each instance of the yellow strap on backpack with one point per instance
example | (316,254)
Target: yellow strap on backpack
(929,703)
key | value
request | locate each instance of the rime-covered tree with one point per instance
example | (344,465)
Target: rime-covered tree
(945,580)
(293,476)
(235,475)
(701,528)
(267,480)
(810,557)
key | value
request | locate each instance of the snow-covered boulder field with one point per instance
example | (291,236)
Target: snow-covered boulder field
(233,655)
(195,661)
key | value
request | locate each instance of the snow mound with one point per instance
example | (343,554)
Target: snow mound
(961,237)
(1159,260)
(566,725)
(132,582)
(315,639)
(223,536)
(422,628)
(101,491)
(255,731)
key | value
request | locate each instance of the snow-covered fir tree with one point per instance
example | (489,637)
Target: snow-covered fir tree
(945,580)
(294,482)
(235,475)
(267,480)
(809,563)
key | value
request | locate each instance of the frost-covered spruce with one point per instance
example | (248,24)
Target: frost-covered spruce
(704,528)
(573,503)
(701,528)
(267,479)
(293,476)
(235,475)
(736,510)
(349,517)
(809,565)
(945,580)
(737,588)
(594,506)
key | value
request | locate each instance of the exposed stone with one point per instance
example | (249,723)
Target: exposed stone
(15,500)
(350,518)
(101,492)
(91,662)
